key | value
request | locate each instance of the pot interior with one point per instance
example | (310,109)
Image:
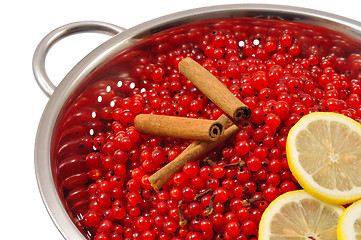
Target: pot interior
(84,148)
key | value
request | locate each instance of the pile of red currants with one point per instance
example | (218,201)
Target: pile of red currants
(281,70)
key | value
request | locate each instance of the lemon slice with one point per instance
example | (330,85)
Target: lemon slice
(297,215)
(324,155)
(349,225)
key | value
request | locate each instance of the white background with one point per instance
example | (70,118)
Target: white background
(23,25)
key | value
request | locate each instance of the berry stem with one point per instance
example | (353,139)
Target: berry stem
(238,164)
(210,209)
(200,195)
(209,161)
(248,202)
(182,221)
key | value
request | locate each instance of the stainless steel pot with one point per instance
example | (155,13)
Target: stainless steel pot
(76,79)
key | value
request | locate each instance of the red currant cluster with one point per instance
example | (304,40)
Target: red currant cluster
(281,70)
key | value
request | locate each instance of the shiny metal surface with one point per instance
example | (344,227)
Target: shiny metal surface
(56,35)
(111,47)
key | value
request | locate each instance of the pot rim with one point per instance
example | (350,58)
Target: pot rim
(112,46)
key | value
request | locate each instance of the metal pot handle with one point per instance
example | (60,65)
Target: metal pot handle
(53,37)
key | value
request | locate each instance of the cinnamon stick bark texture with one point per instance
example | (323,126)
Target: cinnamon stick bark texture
(215,90)
(179,127)
(193,152)
(224,121)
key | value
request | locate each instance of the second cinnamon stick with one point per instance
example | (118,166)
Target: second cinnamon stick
(179,127)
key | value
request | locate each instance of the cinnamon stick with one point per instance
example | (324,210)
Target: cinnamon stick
(179,127)
(224,121)
(193,152)
(215,90)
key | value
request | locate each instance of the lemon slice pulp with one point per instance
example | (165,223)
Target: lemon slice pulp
(297,215)
(349,225)
(324,155)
